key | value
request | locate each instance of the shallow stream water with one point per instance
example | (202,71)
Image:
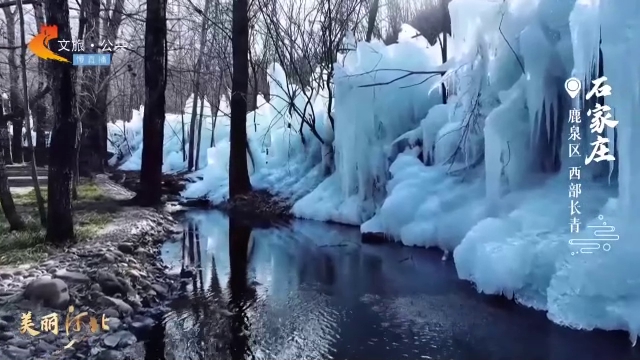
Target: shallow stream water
(311,290)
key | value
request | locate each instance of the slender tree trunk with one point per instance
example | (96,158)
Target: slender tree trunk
(14,87)
(155,80)
(104,75)
(34,170)
(90,157)
(5,140)
(39,108)
(76,162)
(199,140)
(196,87)
(6,200)
(373,14)
(63,135)
(192,122)
(239,182)
(443,49)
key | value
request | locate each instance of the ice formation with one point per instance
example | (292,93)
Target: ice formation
(485,175)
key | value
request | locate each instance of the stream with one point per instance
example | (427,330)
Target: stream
(310,290)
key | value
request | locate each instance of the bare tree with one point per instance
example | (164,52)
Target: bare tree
(239,182)
(196,90)
(150,192)
(34,173)
(6,200)
(14,92)
(63,136)
(39,108)
(373,14)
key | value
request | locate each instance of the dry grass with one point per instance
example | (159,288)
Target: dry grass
(92,212)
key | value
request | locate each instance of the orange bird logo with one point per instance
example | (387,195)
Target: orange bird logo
(38,45)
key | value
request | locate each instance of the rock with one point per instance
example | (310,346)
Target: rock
(50,338)
(109,258)
(142,251)
(141,326)
(6,276)
(21,343)
(35,273)
(4,326)
(134,274)
(15,353)
(123,307)
(53,293)
(5,336)
(62,342)
(45,347)
(111,313)
(112,285)
(114,323)
(7,317)
(20,272)
(110,355)
(120,339)
(72,276)
(160,290)
(126,248)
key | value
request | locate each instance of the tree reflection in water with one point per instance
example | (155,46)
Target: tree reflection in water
(241,294)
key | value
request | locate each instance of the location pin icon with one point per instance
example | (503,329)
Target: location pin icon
(573,86)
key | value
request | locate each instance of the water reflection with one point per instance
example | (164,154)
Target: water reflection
(313,291)
(241,294)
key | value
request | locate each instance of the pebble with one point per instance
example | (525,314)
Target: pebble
(13,352)
(6,276)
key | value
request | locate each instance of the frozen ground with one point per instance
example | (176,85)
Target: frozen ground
(485,176)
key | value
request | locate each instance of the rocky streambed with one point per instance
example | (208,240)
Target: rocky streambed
(118,276)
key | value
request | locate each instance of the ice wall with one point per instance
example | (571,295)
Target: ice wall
(377,99)
(280,160)
(507,219)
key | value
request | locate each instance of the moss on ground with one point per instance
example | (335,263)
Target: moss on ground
(92,212)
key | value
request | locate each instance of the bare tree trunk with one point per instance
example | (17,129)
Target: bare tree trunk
(34,172)
(373,14)
(196,86)
(14,86)
(39,108)
(63,135)
(199,140)
(192,123)
(5,140)
(104,75)
(155,80)
(239,182)
(90,156)
(76,162)
(6,200)
(443,48)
